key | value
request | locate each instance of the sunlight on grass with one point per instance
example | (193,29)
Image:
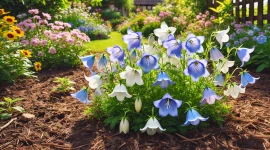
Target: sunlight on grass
(99,46)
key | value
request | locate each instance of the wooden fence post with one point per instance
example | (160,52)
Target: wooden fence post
(237,11)
(251,11)
(260,13)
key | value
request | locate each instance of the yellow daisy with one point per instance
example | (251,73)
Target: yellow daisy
(9,19)
(26,53)
(10,35)
(19,32)
(2,12)
(37,66)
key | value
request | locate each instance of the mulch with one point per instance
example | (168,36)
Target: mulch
(59,121)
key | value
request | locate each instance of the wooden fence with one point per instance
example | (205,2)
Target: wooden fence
(241,7)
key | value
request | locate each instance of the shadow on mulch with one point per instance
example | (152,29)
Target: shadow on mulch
(60,123)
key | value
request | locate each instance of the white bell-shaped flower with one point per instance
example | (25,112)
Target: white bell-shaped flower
(150,48)
(234,90)
(172,60)
(120,91)
(124,126)
(222,36)
(224,66)
(152,126)
(163,32)
(94,81)
(132,76)
(138,105)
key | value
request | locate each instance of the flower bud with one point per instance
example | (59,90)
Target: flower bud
(124,126)
(138,105)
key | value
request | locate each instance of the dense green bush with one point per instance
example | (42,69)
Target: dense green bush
(108,14)
(149,28)
(20,6)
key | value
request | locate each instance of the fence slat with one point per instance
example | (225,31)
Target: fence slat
(244,11)
(237,11)
(260,12)
(268,13)
(251,11)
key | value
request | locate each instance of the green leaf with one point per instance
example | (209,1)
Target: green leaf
(3,103)
(18,108)
(2,109)
(5,116)
(261,67)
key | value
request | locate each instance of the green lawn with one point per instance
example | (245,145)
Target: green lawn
(98,46)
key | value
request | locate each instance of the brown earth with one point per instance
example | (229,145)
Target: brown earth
(60,123)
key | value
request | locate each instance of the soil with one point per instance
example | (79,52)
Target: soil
(59,121)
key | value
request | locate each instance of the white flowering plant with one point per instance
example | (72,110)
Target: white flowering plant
(166,85)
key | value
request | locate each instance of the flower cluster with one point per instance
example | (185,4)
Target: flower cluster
(247,33)
(49,41)
(14,60)
(170,76)
(79,17)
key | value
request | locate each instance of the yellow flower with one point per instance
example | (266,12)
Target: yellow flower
(19,32)
(9,19)
(10,35)
(37,66)
(2,12)
(26,53)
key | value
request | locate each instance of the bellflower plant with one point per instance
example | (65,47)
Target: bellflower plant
(215,54)
(222,36)
(196,69)
(152,126)
(117,54)
(130,78)
(244,54)
(88,61)
(173,46)
(193,117)
(219,80)
(163,80)
(120,92)
(193,44)
(167,105)
(163,32)
(82,96)
(246,78)
(148,62)
(209,96)
(133,39)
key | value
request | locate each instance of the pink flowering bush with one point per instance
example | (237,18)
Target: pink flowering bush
(53,44)
(202,24)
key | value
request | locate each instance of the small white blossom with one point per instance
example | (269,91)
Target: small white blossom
(234,90)
(152,126)
(138,105)
(132,76)
(224,67)
(120,91)
(163,32)
(124,126)
(222,36)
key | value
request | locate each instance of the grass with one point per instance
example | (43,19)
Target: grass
(99,46)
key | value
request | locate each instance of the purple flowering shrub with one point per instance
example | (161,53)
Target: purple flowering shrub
(180,82)
(249,35)
(53,44)
(79,17)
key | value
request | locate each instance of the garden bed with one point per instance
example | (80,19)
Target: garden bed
(59,122)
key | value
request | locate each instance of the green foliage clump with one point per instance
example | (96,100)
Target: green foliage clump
(7,108)
(20,6)
(64,85)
